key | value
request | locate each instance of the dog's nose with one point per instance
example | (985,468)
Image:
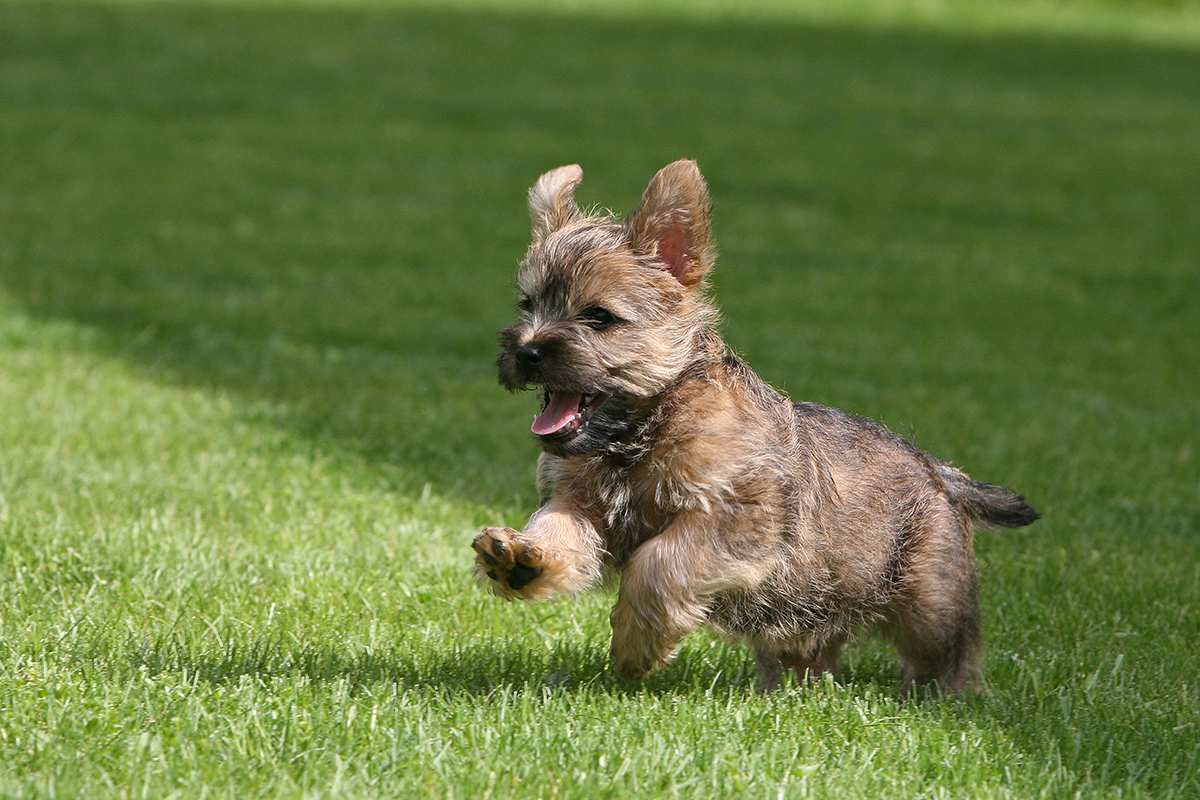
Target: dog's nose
(529,355)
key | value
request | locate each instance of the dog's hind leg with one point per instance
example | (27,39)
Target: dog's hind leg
(770,671)
(944,656)
(816,658)
(935,622)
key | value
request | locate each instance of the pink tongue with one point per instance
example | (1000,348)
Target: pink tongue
(559,411)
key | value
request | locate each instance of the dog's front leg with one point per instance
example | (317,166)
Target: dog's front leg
(665,588)
(559,552)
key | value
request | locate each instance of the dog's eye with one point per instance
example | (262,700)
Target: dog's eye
(525,304)
(599,318)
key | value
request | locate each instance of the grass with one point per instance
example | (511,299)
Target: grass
(251,262)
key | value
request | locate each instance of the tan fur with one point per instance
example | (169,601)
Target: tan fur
(716,499)
(552,199)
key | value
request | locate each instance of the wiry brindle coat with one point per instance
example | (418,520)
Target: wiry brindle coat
(718,501)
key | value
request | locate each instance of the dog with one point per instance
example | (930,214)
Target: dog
(668,461)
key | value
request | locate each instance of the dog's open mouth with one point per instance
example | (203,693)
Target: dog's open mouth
(564,413)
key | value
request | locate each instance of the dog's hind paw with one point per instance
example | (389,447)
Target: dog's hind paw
(511,566)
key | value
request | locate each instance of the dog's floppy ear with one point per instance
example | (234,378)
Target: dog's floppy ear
(552,199)
(672,224)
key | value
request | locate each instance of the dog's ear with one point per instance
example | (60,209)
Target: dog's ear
(673,223)
(552,199)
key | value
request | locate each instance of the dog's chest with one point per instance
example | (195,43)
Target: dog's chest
(624,502)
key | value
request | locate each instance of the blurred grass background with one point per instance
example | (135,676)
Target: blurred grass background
(252,258)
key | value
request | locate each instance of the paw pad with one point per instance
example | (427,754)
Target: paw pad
(510,564)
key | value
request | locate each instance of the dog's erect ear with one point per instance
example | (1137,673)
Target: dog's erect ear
(672,224)
(552,199)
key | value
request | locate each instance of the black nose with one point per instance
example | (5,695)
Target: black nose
(529,355)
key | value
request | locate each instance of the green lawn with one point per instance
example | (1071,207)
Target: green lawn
(252,258)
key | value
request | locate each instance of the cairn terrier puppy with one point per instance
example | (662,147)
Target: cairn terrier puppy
(718,501)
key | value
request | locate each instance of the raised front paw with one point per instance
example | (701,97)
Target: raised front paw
(511,566)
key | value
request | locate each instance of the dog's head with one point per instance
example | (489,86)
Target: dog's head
(611,310)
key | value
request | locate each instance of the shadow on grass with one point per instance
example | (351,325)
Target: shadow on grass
(472,667)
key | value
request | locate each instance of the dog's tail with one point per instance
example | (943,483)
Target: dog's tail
(986,502)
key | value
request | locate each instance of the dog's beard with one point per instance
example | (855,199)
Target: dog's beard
(581,412)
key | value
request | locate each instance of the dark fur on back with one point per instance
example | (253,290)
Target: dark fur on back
(983,502)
